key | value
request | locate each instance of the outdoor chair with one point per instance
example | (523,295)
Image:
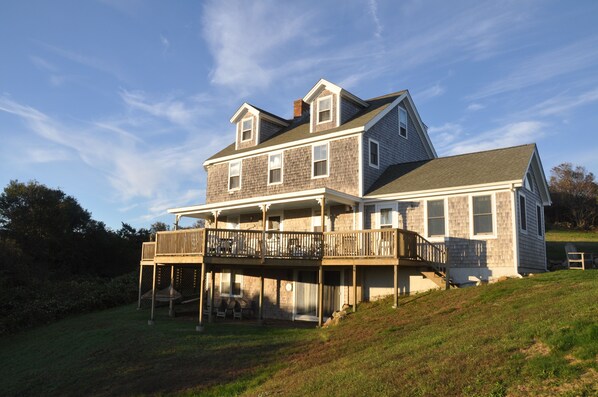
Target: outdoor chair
(237,310)
(222,309)
(578,260)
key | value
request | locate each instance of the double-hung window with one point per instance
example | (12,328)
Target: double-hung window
(539,217)
(325,109)
(231,283)
(246,129)
(385,218)
(436,218)
(275,168)
(522,213)
(483,223)
(234,175)
(374,150)
(320,160)
(402,122)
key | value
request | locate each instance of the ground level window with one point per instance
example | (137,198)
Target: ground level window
(231,283)
(482,215)
(436,217)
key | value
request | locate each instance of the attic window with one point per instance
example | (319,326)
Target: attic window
(402,122)
(325,109)
(246,129)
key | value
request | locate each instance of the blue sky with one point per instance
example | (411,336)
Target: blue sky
(119,102)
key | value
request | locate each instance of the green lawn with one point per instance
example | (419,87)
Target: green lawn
(536,336)
(585,241)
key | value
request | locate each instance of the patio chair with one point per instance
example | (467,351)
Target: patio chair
(237,311)
(222,309)
(578,260)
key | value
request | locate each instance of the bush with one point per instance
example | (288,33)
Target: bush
(42,302)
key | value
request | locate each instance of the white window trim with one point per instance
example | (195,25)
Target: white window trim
(318,122)
(273,214)
(240,175)
(406,122)
(230,279)
(395,214)
(446,222)
(241,130)
(313,149)
(540,220)
(281,168)
(370,141)
(521,229)
(494,216)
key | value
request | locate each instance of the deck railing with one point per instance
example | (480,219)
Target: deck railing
(380,243)
(148,251)
(180,242)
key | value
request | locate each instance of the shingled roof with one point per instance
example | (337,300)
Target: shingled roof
(499,165)
(299,130)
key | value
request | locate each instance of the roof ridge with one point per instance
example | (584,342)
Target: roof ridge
(465,154)
(397,93)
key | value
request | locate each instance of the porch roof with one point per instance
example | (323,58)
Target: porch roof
(305,198)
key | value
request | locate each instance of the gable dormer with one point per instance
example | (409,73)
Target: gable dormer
(331,106)
(254,125)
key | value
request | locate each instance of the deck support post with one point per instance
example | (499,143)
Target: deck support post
(199,327)
(151,320)
(140,284)
(396,285)
(354,288)
(212,277)
(260,316)
(320,295)
(171,302)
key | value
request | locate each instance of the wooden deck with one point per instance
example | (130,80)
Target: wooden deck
(294,249)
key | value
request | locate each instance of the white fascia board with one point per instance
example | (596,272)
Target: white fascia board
(354,98)
(287,145)
(546,200)
(308,98)
(445,191)
(290,197)
(423,128)
(383,113)
(244,106)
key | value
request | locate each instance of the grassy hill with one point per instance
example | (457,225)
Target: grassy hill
(522,337)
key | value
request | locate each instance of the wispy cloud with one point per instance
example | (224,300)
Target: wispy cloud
(509,135)
(165,43)
(373,8)
(430,92)
(155,175)
(545,66)
(474,107)
(445,136)
(560,104)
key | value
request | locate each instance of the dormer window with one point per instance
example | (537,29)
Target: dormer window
(246,129)
(325,109)
(402,122)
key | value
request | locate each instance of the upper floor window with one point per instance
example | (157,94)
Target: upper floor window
(522,213)
(374,153)
(529,185)
(275,168)
(325,109)
(320,160)
(402,122)
(234,175)
(246,129)
(436,218)
(483,223)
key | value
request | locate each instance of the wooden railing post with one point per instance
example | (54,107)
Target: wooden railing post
(396,243)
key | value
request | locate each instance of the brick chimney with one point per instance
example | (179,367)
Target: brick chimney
(299,108)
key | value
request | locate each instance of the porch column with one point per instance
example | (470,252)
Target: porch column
(199,326)
(354,288)
(260,317)
(212,277)
(320,295)
(176,222)
(216,214)
(323,213)
(396,285)
(151,320)
(140,284)
(264,208)
(171,303)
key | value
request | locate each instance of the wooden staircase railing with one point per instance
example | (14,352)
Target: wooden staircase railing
(434,255)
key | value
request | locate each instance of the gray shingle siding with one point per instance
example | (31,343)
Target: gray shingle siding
(532,247)
(393,148)
(348,110)
(267,129)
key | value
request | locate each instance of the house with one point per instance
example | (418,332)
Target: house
(345,202)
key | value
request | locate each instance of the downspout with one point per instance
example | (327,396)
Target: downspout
(515,230)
